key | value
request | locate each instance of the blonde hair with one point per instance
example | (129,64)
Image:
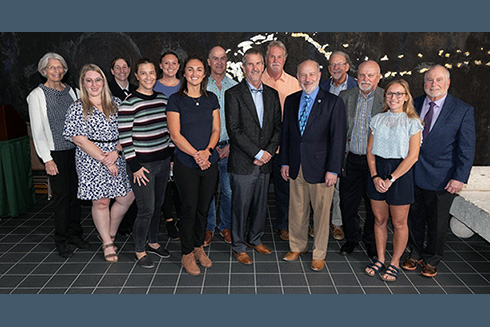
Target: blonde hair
(408,107)
(109,107)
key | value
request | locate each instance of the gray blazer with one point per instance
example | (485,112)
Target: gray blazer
(350,100)
(247,138)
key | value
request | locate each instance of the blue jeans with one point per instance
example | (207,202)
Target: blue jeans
(149,200)
(225,201)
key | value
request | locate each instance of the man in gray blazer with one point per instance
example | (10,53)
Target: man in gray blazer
(361,103)
(253,122)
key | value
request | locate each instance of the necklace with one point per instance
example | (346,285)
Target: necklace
(193,99)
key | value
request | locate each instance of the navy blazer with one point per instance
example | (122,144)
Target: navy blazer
(321,147)
(449,149)
(351,83)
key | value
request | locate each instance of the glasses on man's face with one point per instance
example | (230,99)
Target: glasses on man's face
(398,95)
(340,64)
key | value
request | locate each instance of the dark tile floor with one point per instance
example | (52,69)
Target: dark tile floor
(29,264)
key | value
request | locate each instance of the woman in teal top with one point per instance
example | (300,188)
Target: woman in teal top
(393,149)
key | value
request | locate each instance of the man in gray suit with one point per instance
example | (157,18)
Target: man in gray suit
(253,122)
(361,103)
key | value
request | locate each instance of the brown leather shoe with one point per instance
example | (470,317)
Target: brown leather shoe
(337,232)
(311,232)
(201,256)
(261,248)
(208,238)
(291,256)
(283,234)
(190,265)
(429,270)
(243,258)
(317,265)
(411,264)
(226,233)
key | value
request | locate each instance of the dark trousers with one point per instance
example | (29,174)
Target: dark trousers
(65,202)
(352,190)
(149,200)
(196,189)
(431,209)
(248,199)
(281,193)
(172,199)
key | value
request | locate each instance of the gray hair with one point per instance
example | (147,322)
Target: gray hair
(43,62)
(341,53)
(316,62)
(252,51)
(448,75)
(277,44)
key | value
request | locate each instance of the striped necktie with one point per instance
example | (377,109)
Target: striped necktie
(302,115)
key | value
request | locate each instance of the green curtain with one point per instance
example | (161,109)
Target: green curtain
(16,186)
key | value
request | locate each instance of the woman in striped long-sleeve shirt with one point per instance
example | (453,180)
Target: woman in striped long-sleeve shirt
(146,143)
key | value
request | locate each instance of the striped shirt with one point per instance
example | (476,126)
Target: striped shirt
(143,129)
(360,129)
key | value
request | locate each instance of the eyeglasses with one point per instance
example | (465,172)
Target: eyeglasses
(55,68)
(340,64)
(397,94)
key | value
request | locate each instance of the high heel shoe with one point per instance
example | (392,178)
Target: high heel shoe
(111,257)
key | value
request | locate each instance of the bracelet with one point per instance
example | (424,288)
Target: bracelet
(373,177)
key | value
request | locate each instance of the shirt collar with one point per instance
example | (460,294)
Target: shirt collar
(312,94)
(251,87)
(370,94)
(439,103)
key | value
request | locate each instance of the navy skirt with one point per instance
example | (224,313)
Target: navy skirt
(401,192)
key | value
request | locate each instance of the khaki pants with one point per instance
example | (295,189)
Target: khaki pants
(301,194)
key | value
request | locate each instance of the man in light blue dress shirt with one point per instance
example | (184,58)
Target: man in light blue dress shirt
(218,83)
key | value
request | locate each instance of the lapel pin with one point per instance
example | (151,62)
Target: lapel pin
(319,100)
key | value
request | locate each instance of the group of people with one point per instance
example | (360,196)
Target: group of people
(327,145)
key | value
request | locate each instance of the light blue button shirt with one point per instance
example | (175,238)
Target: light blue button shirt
(226,83)
(259,106)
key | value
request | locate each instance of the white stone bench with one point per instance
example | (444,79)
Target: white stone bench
(471,208)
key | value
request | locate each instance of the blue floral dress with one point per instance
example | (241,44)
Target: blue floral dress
(94,179)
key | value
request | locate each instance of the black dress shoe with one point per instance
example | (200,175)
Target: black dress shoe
(371,252)
(348,247)
(64,250)
(79,243)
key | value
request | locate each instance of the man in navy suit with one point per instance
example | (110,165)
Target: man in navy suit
(311,153)
(444,165)
(338,66)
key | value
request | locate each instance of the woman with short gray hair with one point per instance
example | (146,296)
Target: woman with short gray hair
(48,104)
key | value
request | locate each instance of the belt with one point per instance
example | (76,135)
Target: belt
(223,143)
(104,141)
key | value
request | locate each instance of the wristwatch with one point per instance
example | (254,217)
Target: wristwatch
(119,153)
(391,178)
(211,150)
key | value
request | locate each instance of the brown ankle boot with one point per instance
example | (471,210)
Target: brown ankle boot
(203,259)
(190,265)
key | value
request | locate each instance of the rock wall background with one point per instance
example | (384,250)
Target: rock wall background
(405,55)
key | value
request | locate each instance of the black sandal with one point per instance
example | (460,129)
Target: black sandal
(375,268)
(391,271)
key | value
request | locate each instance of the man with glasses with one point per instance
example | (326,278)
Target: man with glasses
(218,83)
(338,66)
(285,84)
(361,103)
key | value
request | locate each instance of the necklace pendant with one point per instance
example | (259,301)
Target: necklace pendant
(197,103)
